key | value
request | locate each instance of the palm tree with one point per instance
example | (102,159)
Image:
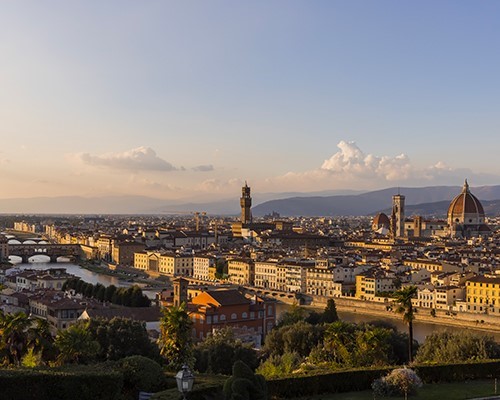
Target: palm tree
(175,342)
(14,336)
(76,345)
(40,339)
(402,298)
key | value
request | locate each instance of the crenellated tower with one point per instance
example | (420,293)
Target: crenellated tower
(246,204)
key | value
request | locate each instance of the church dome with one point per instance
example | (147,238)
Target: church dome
(465,208)
(381,220)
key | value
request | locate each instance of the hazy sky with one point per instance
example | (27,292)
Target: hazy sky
(187,99)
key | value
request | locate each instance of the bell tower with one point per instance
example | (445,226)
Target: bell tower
(246,204)
(398,216)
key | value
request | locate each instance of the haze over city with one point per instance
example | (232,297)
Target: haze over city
(187,100)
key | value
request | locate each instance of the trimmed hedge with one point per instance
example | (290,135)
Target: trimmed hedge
(205,387)
(60,384)
(361,379)
(333,382)
(458,372)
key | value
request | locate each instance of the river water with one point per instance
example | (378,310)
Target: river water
(39,263)
(420,329)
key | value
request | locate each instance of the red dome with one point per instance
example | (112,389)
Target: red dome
(465,203)
(381,220)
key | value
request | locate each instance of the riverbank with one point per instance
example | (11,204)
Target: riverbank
(481,322)
(122,274)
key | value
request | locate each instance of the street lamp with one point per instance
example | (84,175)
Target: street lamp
(185,380)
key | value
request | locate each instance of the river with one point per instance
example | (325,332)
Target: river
(420,329)
(39,263)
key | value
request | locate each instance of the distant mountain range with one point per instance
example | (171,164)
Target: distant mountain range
(432,200)
(372,202)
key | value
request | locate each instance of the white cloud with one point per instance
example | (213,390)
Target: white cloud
(350,160)
(351,168)
(141,158)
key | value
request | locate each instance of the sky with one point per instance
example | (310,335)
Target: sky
(185,100)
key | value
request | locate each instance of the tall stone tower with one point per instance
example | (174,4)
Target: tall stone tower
(398,216)
(180,291)
(246,203)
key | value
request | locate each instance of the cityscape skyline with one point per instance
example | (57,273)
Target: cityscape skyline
(186,101)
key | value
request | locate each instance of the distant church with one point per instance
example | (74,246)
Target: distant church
(465,219)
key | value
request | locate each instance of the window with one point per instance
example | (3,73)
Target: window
(222,317)
(233,316)
(216,319)
(244,315)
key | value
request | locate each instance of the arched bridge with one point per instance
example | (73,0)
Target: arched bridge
(25,251)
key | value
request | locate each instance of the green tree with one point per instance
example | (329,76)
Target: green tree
(299,338)
(330,314)
(76,345)
(459,346)
(244,384)
(219,351)
(14,336)
(403,299)
(175,341)
(41,341)
(121,337)
(295,314)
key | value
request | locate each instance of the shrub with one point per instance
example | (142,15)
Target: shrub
(399,382)
(140,374)
(84,383)
(244,384)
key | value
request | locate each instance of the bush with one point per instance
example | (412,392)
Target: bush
(399,382)
(334,382)
(84,383)
(141,374)
(244,384)
(458,372)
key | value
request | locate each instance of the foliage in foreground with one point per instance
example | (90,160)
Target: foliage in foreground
(244,384)
(453,347)
(176,341)
(219,351)
(399,382)
(140,374)
(336,345)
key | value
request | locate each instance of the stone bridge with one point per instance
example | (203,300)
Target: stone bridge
(25,251)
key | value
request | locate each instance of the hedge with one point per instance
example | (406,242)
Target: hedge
(434,373)
(333,382)
(205,387)
(60,384)
(361,379)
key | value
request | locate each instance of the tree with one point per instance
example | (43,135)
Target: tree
(293,315)
(403,299)
(76,345)
(299,338)
(175,342)
(244,384)
(330,314)
(459,346)
(121,337)
(219,351)
(41,341)
(14,336)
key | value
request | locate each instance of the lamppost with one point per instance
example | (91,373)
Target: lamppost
(185,380)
